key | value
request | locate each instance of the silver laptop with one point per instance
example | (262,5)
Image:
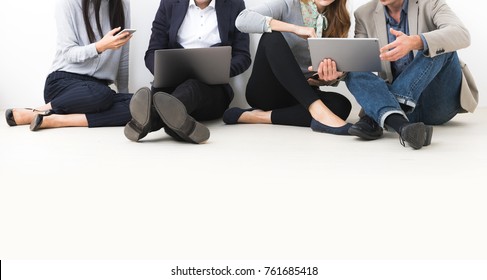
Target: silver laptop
(208,65)
(350,54)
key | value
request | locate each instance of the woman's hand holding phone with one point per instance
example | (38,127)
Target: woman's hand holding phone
(112,40)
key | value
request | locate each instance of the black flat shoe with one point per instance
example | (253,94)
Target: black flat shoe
(319,127)
(9,116)
(232,115)
(38,119)
(36,122)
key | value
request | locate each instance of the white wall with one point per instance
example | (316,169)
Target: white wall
(28,44)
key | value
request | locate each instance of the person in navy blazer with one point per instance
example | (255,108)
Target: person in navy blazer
(180,109)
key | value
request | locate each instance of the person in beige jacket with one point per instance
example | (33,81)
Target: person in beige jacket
(423,82)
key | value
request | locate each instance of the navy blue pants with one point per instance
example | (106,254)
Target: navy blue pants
(71,93)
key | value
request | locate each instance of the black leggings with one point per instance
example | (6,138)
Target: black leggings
(277,84)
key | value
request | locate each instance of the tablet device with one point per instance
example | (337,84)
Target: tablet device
(208,65)
(350,54)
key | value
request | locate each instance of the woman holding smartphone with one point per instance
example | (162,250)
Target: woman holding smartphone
(281,89)
(91,55)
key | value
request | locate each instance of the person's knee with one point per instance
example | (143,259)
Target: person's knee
(272,38)
(192,83)
(102,101)
(433,114)
(438,119)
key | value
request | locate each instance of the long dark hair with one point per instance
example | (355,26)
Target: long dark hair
(117,16)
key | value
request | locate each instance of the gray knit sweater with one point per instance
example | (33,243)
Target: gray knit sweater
(253,20)
(75,53)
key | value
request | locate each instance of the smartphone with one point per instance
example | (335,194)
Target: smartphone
(315,76)
(130,31)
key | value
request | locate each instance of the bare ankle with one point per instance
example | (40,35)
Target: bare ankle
(256,117)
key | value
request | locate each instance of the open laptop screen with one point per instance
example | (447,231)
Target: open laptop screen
(208,65)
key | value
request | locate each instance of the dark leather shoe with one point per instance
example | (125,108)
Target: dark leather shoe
(144,117)
(429,135)
(173,134)
(416,135)
(319,127)
(174,115)
(9,117)
(232,115)
(366,128)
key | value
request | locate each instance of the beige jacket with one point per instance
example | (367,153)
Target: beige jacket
(443,30)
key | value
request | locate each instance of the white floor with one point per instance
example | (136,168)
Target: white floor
(251,192)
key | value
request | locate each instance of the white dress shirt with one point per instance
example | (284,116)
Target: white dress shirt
(200,27)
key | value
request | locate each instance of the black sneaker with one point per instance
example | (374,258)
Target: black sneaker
(366,128)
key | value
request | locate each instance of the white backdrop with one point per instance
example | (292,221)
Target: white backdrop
(28,46)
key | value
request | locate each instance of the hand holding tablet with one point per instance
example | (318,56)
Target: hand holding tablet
(350,54)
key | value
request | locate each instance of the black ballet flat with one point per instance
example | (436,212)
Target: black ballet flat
(9,116)
(38,119)
(231,115)
(36,123)
(319,127)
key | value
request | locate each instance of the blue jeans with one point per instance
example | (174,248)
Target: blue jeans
(430,87)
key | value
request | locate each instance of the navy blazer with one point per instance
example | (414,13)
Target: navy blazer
(170,16)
